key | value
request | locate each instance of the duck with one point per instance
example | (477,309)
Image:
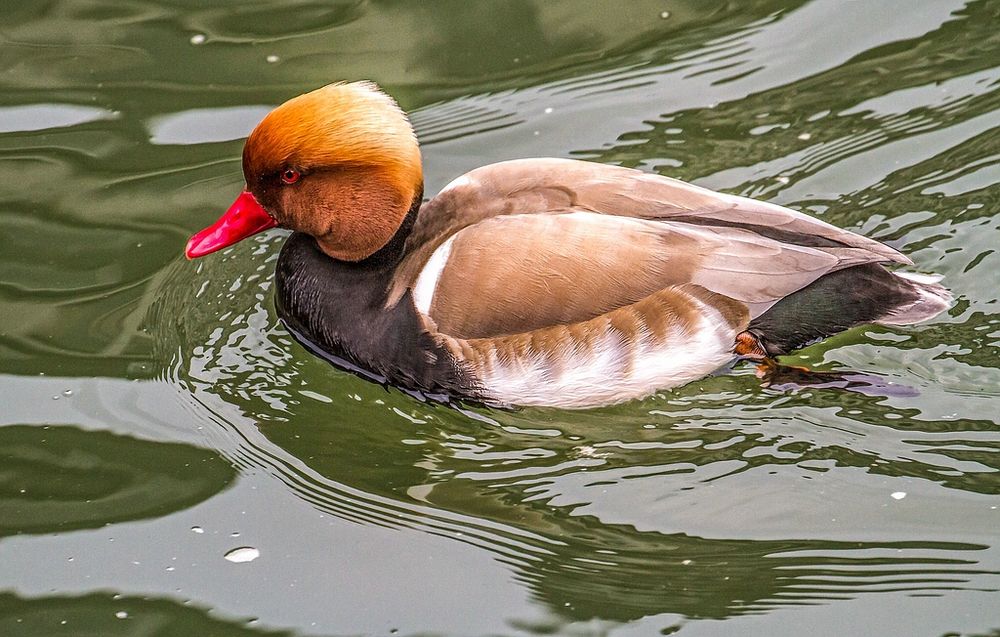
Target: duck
(542,282)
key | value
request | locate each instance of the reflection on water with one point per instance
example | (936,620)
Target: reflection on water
(728,498)
(60,478)
(110,615)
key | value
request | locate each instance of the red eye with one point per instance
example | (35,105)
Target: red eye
(290,175)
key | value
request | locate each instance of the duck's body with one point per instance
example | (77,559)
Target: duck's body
(551,281)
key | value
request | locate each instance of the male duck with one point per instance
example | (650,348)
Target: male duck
(537,281)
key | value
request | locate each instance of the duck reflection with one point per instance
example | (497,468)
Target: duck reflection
(614,572)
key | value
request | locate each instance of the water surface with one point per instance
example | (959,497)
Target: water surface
(157,417)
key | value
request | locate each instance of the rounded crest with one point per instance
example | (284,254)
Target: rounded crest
(339,125)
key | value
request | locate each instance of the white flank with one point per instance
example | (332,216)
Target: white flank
(615,371)
(423,290)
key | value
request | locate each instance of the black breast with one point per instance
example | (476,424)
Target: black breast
(339,308)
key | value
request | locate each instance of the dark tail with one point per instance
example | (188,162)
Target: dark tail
(840,300)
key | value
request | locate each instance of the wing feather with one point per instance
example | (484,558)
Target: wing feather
(516,273)
(541,242)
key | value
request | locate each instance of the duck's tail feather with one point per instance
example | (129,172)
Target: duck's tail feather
(932,299)
(837,301)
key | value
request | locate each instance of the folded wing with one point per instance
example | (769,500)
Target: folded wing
(527,244)
(517,273)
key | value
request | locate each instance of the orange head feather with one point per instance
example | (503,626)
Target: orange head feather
(358,158)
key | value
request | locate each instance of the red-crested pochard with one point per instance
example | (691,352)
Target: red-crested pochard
(537,281)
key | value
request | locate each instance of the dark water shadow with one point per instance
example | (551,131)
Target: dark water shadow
(60,478)
(113,615)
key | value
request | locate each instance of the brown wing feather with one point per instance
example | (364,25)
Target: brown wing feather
(524,258)
(517,273)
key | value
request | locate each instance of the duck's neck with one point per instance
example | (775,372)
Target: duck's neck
(388,256)
(333,302)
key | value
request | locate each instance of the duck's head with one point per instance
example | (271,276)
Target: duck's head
(340,163)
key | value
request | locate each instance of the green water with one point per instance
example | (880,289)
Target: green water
(155,415)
